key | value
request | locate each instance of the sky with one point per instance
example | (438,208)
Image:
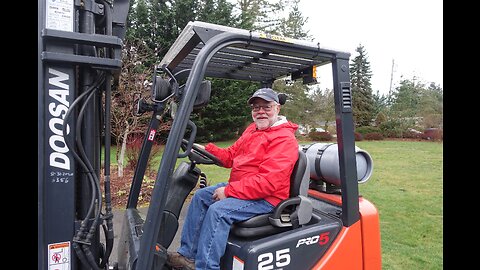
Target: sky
(407,32)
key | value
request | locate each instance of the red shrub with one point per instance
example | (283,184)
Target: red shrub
(433,134)
(358,136)
(132,152)
(374,136)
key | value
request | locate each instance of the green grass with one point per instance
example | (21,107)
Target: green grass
(407,188)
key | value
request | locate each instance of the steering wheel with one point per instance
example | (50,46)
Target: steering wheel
(199,155)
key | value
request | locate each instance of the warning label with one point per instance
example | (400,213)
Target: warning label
(59,256)
(59,15)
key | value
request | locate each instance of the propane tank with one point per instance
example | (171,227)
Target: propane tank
(323,163)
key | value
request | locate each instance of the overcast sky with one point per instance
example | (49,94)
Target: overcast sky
(408,31)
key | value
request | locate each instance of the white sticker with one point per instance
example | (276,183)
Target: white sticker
(59,15)
(237,263)
(59,256)
(151,136)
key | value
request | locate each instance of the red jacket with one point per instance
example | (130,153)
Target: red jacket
(261,161)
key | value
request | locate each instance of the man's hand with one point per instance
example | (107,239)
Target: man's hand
(219,194)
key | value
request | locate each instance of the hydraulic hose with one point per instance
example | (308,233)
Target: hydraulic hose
(90,170)
(93,179)
(109,234)
(81,232)
(81,240)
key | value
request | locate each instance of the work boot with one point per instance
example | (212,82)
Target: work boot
(178,261)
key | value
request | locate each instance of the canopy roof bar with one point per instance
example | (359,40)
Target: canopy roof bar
(232,65)
(263,58)
(257,57)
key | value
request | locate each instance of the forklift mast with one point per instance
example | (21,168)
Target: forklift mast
(79,51)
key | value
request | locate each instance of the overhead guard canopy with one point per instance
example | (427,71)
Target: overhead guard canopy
(260,59)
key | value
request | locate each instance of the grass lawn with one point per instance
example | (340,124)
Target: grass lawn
(407,188)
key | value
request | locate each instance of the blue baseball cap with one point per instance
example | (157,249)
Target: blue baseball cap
(266,94)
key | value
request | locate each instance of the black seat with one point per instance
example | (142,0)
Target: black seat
(288,214)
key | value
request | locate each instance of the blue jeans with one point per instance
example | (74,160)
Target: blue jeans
(207,225)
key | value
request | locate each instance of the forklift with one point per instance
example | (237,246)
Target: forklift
(324,224)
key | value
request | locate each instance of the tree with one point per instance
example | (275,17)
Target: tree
(227,113)
(403,113)
(421,104)
(380,107)
(133,84)
(406,99)
(362,100)
(216,11)
(323,102)
(298,105)
(431,104)
(293,25)
(257,14)
(164,26)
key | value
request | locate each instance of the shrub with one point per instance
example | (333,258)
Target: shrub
(320,136)
(392,128)
(332,129)
(133,149)
(433,134)
(358,136)
(374,136)
(367,129)
(412,135)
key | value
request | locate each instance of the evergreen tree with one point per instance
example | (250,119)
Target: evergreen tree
(323,106)
(298,106)
(138,21)
(293,25)
(416,104)
(227,114)
(406,99)
(379,103)
(362,100)
(431,101)
(216,11)
(260,15)
(152,22)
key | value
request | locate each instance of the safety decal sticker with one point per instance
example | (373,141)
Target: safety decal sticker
(275,37)
(151,136)
(59,256)
(237,263)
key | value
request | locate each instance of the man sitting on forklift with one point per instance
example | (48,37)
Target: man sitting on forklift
(262,160)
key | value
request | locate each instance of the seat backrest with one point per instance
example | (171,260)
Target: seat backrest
(297,175)
(261,225)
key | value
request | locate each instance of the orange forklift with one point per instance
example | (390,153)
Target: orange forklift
(324,224)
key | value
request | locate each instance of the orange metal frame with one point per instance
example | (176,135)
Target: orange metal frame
(357,246)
